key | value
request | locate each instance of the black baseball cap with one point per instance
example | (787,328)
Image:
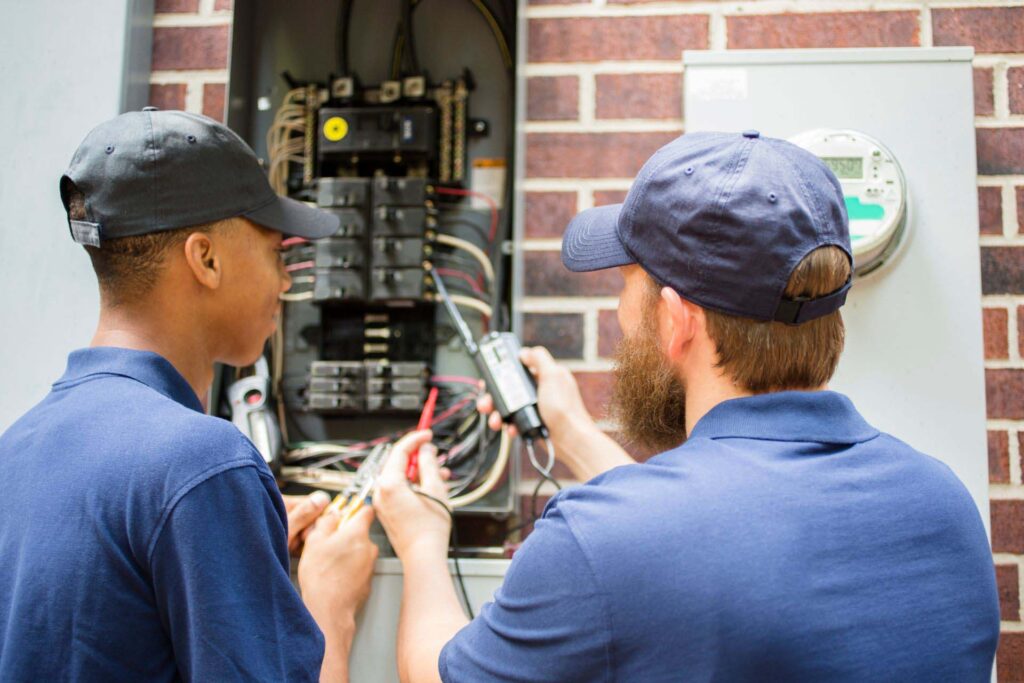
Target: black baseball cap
(724,219)
(151,170)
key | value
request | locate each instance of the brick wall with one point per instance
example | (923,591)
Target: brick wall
(604,91)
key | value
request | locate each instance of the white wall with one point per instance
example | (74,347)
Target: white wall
(62,68)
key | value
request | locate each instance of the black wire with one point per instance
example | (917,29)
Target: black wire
(342,35)
(409,48)
(454,547)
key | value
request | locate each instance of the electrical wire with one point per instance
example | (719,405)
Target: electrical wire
(301,296)
(493,475)
(449,272)
(469,248)
(453,545)
(342,35)
(493,205)
(301,265)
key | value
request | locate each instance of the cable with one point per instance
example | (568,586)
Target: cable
(454,545)
(495,473)
(342,35)
(301,296)
(544,472)
(301,265)
(470,248)
(480,195)
(448,272)
(475,304)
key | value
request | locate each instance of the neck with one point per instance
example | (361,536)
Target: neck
(706,391)
(152,328)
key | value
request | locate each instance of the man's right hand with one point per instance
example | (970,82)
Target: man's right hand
(579,442)
(334,576)
(558,396)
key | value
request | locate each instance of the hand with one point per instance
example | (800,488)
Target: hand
(302,512)
(414,524)
(336,568)
(558,396)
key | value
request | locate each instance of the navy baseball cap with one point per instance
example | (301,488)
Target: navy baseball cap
(151,170)
(724,219)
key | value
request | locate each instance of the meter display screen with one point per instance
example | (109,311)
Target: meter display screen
(846,167)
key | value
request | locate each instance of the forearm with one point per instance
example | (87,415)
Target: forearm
(338,646)
(431,616)
(586,450)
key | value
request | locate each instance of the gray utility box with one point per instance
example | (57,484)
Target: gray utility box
(373,650)
(913,363)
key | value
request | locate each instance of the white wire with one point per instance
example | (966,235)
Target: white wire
(470,302)
(493,477)
(470,248)
(302,296)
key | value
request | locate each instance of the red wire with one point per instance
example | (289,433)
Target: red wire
(292,241)
(464,276)
(301,265)
(473,193)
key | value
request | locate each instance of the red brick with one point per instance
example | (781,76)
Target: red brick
(1007,526)
(990,210)
(827,29)
(561,333)
(590,155)
(596,388)
(213,101)
(547,213)
(639,96)
(169,96)
(994,326)
(608,333)
(162,6)
(592,39)
(983,103)
(1015,89)
(193,47)
(1008,582)
(544,275)
(1002,270)
(223,5)
(552,98)
(1019,191)
(1004,394)
(988,29)
(998,457)
(1020,330)
(606,197)
(1000,151)
(1010,657)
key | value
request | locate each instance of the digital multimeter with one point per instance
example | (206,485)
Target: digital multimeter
(874,189)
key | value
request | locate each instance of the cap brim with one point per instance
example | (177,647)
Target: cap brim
(295,219)
(591,242)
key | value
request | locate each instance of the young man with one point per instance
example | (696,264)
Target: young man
(141,538)
(785,539)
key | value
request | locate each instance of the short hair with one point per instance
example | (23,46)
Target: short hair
(127,267)
(762,356)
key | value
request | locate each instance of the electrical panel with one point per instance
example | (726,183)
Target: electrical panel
(395,117)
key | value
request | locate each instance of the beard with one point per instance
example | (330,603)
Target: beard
(648,399)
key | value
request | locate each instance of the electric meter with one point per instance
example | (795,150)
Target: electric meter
(874,189)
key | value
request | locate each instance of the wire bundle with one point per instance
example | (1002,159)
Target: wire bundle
(285,138)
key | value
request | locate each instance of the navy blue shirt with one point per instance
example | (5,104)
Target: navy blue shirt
(141,539)
(786,540)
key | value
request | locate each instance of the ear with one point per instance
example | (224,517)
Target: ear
(203,260)
(681,320)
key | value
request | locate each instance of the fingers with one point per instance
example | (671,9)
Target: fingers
(305,512)
(430,474)
(394,468)
(325,525)
(494,421)
(485,404)
(537,359)
(360,523)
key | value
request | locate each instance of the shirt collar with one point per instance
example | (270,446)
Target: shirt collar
(151,369)
(817,416)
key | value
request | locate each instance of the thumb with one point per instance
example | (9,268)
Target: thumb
(359,524)
(430,471)
(303,514)
(537,359)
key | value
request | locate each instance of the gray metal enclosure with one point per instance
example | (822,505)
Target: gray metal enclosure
(913,358)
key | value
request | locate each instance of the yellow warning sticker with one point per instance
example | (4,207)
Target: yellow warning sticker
(335,128)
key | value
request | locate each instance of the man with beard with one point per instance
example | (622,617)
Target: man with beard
(779,536)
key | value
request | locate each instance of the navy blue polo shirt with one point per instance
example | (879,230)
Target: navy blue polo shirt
(141,539)
(786,540)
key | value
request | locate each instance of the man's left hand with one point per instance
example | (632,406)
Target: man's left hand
(302,512)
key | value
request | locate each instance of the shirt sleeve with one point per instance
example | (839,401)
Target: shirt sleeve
(222,585)
(548,621)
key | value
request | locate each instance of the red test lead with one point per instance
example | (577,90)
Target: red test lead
(412,469)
